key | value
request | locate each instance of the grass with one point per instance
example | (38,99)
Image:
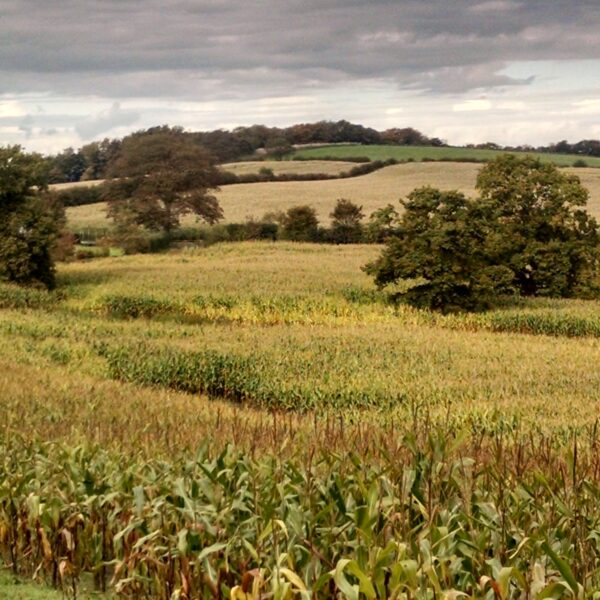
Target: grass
(18,588)
(193,416)
(419,153)
(280,167)
(372,191)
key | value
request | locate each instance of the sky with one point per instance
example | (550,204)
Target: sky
(467,71)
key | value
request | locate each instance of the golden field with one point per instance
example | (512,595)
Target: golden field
(180,424)
(388,185)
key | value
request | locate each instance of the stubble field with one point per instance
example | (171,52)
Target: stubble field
(386,186)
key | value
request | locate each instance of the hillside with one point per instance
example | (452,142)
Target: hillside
(372,191)
(419,153)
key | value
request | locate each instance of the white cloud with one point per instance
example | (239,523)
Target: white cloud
(589,106)
(105,121)
(472,105)
(11,108)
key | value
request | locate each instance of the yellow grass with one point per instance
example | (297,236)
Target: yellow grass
(371,191)
(295,167)
(57,187)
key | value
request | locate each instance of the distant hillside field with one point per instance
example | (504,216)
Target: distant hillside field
(287,167)
(419,153)
(371,191)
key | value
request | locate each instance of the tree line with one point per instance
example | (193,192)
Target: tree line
(92,160)
(527,234)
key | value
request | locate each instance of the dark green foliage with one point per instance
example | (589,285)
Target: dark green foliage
(346,225)
(80,195)
(67,166)
(438,247)
(535,224)
(527,234)
(301,224)
(30,219)
(381,225)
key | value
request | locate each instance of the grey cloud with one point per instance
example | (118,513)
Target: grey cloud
(104,121)
(215,48)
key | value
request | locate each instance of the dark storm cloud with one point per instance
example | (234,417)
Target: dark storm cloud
(212,49)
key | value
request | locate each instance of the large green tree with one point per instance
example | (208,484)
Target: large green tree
(30,219)
(538,226)
(438,250)
(528,233)
(158,177)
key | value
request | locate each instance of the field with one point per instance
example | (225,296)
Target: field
(419,153)
(281,167)
(372,191)
(256,418)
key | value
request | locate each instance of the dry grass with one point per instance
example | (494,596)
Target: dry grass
(295,167)
(75,184)
(371,191)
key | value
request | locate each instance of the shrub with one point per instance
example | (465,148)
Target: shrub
(301,224)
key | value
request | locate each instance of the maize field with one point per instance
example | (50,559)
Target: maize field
(256,420)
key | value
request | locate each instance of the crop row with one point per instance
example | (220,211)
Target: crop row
(428,521)
(353,304)
(239,378)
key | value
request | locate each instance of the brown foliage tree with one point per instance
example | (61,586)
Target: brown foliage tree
(158,177)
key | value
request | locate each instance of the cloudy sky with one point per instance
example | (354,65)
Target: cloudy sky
(508,71)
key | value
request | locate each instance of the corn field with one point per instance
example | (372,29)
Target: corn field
(256,421)
(434,515)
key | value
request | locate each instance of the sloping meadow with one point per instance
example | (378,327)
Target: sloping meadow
(256,420)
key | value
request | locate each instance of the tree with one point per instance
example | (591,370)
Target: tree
(528,234)
(159,176)
(301,224)
(67,166)
(382,224)
(437,249)
(538,226)
(345,222)
(30,219)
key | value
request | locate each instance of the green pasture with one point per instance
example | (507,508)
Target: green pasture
(424,153)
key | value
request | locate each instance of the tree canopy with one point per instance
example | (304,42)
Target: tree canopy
(158,177)
(528,234)
(30,219)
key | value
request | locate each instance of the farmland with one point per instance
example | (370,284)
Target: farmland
(262,416)
(419,153)
(372,191)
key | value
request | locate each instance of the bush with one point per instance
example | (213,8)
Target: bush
(80,195)
(345,225)
(301,224)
